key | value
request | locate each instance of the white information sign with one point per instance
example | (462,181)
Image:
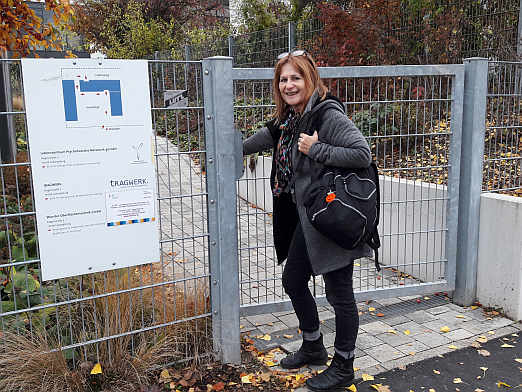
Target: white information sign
(90,130)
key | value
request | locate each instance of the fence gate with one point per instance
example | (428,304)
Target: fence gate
(412,118)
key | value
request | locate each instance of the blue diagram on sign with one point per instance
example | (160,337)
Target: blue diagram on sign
(72,89)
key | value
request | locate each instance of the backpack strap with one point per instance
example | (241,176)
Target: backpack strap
(313,124)
(374,241)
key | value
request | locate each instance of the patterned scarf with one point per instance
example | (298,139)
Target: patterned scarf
(283,159)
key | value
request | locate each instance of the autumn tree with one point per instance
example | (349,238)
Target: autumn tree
(359,36)
(137,28)
(263,14)
(22,32)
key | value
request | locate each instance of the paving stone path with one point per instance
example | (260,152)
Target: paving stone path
(394,342)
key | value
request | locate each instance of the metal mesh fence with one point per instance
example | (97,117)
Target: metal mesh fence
(406,120)
(486,28)
(503,140)
(261,48)
(108,317)
(491,30)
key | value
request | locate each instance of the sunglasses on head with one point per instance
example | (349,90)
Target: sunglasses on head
(294,53)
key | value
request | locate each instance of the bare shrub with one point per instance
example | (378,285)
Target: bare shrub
(128,358)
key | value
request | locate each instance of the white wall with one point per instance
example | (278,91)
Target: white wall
(412,227)
(254,186)
(499,274)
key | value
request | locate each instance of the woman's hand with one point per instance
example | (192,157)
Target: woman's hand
(304,143)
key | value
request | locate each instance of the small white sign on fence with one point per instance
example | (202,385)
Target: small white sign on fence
(90,130)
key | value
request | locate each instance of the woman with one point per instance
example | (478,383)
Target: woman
(298,151)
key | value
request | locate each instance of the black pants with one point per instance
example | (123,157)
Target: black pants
(339,293)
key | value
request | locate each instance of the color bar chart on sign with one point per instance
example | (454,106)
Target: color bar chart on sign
(130,222)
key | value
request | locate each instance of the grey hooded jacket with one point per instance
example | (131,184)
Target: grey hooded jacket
(340,144)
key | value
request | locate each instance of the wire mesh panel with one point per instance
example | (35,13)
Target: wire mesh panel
(261,48)
(409,118)
(260,276)
(407,122)
(503,140)
(491,29)
(307,33)
(152,313)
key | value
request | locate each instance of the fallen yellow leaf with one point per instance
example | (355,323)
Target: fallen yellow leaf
(165,375)
(436,371)
(288,336)
(431,390)
(482,339)
(97,369)
(484,353)
(357,264)
(269,363)
(445,329)
(392,331)
(381,388)
(352,388)
(457,380)
(503,384)
(473,307)
(371,309)
(453,347)
(459,316)
(505,345)
(491,332)
(367,377)
(246,379)
(479,390)
(407,332)
(265,377)
(266,337)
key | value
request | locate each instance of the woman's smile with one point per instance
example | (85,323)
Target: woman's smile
(292,87)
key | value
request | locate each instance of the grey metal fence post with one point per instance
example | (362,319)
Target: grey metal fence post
(231,47)
(472,153)
(222,221)
(292,36)
(7,129)
(187,53)
(519,35)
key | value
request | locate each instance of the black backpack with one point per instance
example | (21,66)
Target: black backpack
(344,204)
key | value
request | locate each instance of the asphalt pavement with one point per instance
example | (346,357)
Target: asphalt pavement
(495,365)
